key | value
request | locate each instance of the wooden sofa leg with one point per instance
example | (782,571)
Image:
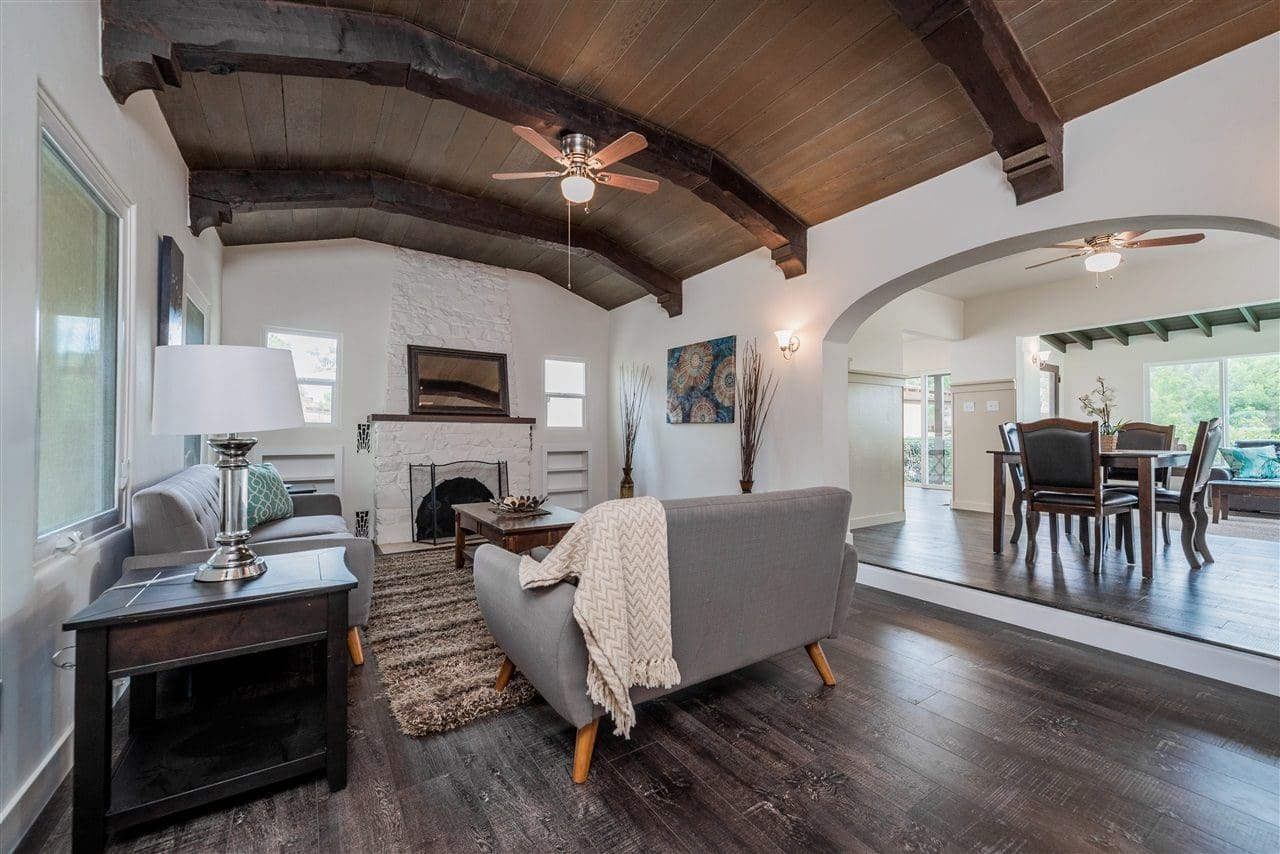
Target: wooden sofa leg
(584,745)
(504,674)
(354,647)
(819,659)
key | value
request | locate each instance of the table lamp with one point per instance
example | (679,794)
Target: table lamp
(222,391)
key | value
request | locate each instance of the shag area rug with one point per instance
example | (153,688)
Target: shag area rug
(438,661)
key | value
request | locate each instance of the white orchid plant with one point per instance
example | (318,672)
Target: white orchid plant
(1099,403)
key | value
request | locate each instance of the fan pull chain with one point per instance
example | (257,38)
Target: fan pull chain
(568,209)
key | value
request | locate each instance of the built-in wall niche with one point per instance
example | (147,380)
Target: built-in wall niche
(319,468)
(566,480)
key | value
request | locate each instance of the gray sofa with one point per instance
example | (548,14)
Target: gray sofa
(752,576)
(175,520)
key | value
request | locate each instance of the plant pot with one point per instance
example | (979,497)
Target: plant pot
(1109,441)
(746,485)
(627,489)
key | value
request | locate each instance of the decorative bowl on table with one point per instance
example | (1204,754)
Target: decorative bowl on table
(515,505)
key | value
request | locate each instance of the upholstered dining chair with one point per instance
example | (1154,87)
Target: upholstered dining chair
(1189,500)
(1141,436)
(1062,469)
(1009,439)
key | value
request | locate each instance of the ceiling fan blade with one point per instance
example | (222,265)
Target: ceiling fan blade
(1130,236)
(516,176)
(624,146)
(1056,260)
(539,142)
(1176,240)
(627,182)
(1075,244)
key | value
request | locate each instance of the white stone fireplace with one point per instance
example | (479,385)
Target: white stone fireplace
(440,302)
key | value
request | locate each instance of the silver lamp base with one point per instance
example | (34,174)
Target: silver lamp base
(233,559)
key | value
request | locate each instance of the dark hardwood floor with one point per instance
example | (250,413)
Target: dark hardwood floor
(945,732)
(1233,602)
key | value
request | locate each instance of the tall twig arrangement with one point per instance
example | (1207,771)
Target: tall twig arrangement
(633,393)
(755,397)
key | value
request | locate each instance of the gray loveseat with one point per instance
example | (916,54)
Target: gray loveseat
(752,576)
(174,522)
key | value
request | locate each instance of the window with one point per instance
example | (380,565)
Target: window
(1244,391)
(565,381)
(78,329)
(315,361)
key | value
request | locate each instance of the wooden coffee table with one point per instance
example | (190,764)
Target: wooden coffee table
(514,533)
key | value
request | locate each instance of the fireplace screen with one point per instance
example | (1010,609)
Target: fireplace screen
(434,489)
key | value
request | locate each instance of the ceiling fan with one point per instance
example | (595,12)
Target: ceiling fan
(1102,251)
(582,163)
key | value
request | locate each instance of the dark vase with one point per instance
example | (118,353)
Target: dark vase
(746,485)
(628,487)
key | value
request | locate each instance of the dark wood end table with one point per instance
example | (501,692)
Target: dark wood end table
(150,621)
(514,533)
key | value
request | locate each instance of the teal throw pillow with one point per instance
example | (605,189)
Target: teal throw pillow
(1258,463)
(268,498)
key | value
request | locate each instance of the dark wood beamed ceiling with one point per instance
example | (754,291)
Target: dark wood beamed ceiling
(970,38)
(216,196)
(149,44)
(822,106)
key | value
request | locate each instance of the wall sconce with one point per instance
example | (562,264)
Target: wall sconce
(1040,359)
(788,342)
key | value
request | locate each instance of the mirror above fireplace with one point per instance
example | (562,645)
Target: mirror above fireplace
(457,382)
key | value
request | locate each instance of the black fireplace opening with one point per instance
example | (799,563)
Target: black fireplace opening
(434,489)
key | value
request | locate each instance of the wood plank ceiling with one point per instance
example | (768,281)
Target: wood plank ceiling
(827,105)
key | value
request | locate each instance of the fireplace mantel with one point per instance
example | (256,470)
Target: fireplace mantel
(467,419)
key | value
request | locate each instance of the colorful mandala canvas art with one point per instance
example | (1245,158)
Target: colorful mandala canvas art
(700,382)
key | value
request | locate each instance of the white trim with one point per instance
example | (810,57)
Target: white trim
(975,506)
(1255,672)
(877,519)
(40,785)
(335,411)
(51,123)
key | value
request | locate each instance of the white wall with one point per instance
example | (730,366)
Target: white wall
(55,46)
(1223,151)
(878,344)
(345,286)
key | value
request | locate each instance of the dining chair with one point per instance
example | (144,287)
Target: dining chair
(1141,436)
(1009,440)
(1062,469)
(1189,500)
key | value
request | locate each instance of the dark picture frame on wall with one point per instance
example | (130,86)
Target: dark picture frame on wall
(169,321)
(457,382)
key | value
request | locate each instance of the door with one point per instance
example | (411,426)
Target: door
(937,431)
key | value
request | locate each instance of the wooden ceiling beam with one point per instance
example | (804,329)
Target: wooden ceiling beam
(215,196)
(1251,318)
(970,38)
(149,44)
(1201,323)
(1158,328)
(1080,338)
(1054,342)
(1118,334)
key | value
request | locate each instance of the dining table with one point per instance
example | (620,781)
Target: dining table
(1147,463)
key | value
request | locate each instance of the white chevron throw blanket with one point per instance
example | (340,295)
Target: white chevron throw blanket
(618,553)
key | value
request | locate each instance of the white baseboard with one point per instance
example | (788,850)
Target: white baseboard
(21,811)
(1256,672)
(878,519)
(975,506)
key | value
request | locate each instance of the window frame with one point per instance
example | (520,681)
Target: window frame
(1224,386)
(548,395)
(336,411)
(53,129)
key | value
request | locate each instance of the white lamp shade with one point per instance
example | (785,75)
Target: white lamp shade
(577,189)
(1101,262)
(784,337)
(216,388)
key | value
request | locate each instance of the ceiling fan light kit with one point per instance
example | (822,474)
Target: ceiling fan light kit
(1101,262)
